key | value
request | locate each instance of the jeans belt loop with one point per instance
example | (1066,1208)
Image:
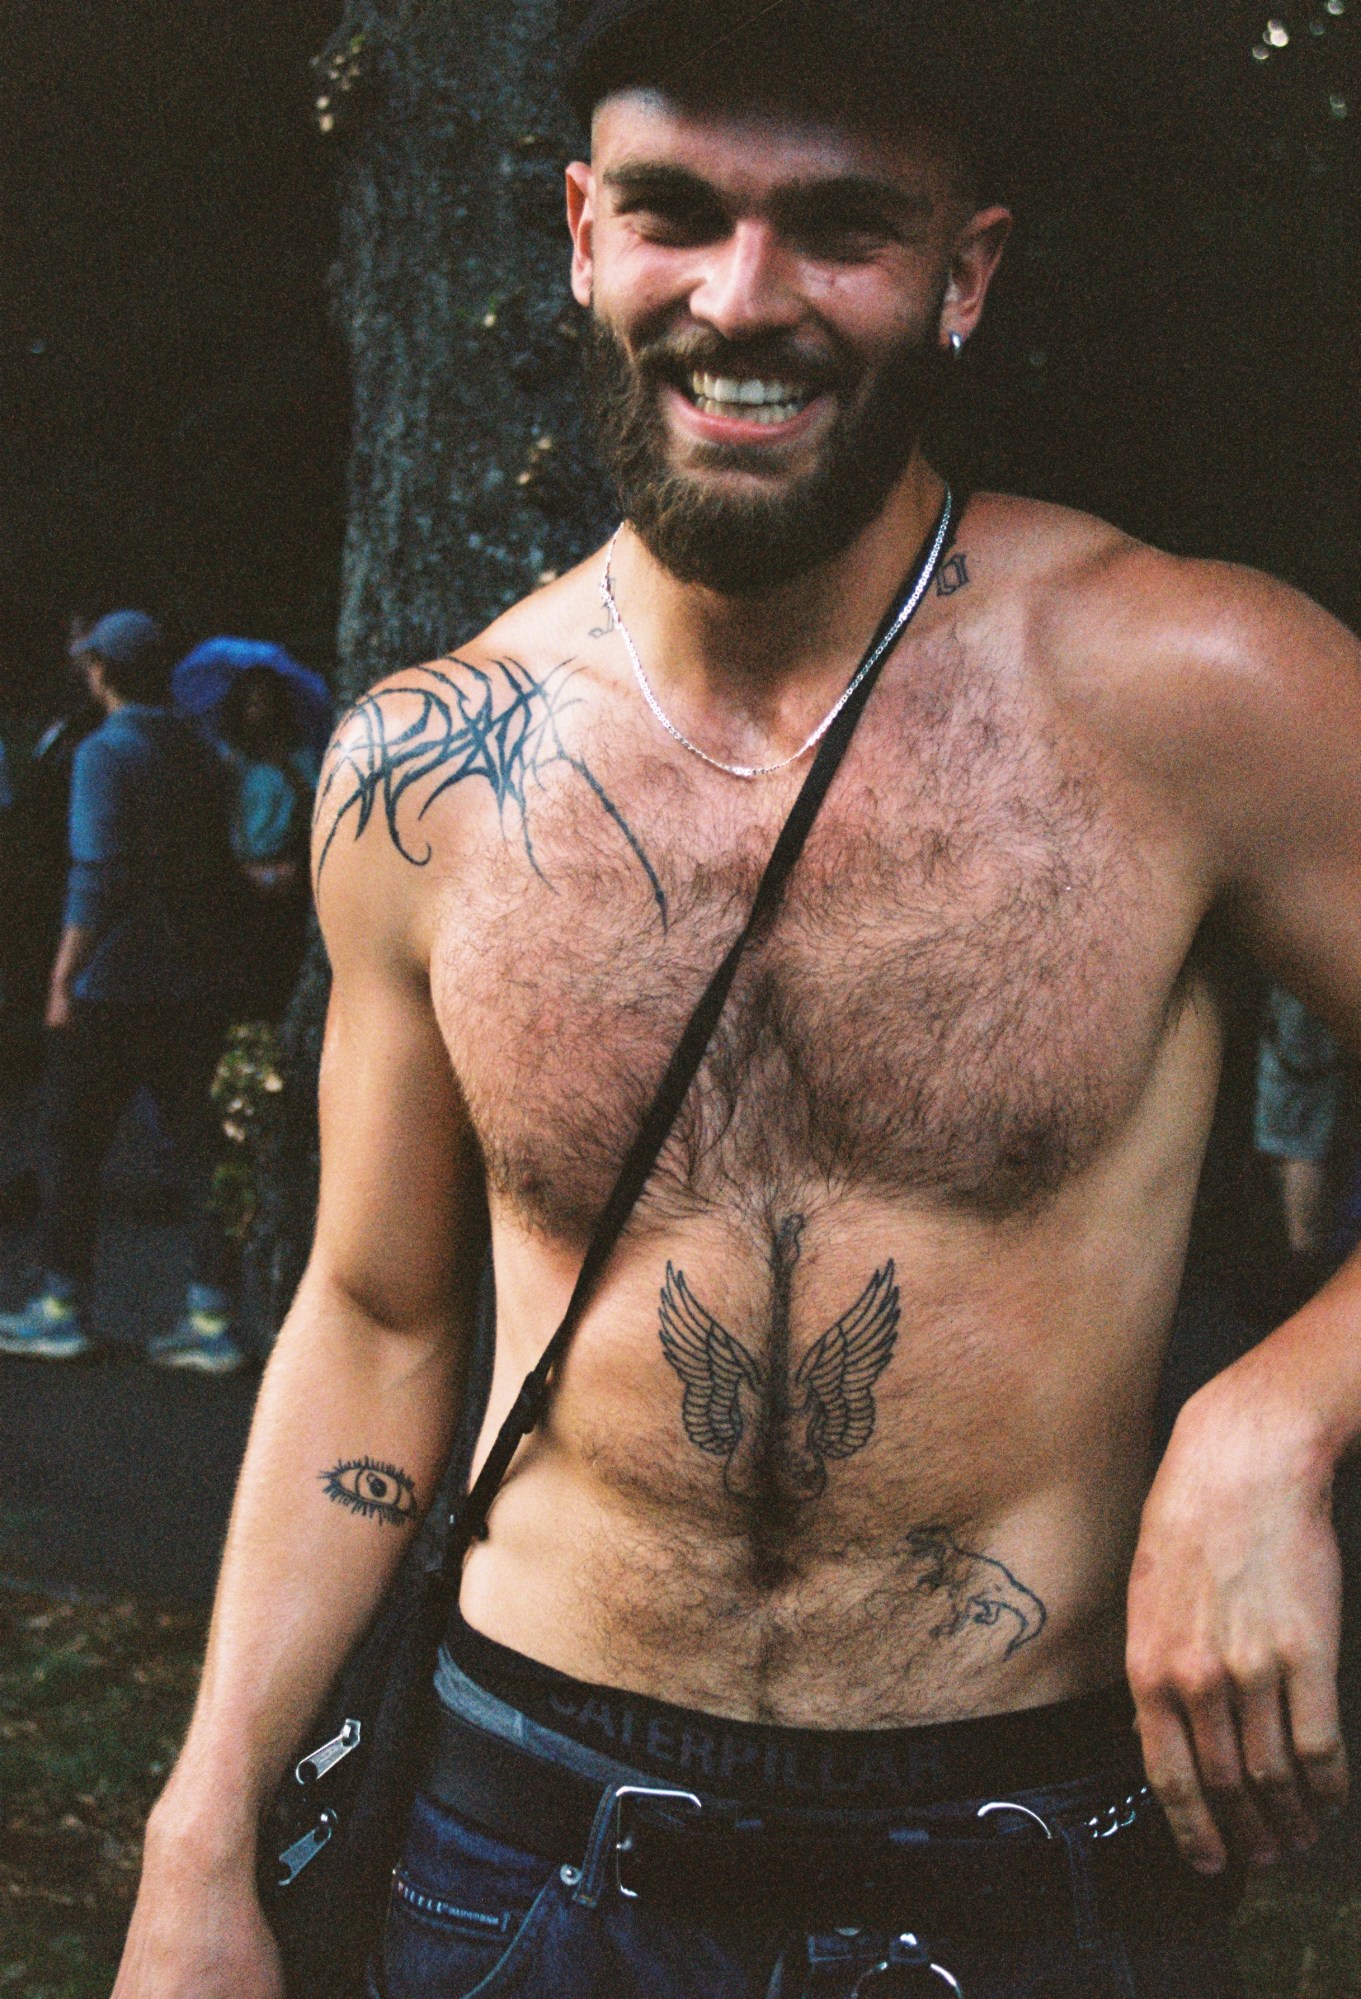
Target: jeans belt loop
(610,1839)
(1079,1846)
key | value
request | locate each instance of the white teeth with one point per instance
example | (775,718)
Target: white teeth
(725,393)
(754,413)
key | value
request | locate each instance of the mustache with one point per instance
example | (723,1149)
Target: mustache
(673,357)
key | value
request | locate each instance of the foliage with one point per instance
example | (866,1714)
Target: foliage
(1299,1941)
(249,1078)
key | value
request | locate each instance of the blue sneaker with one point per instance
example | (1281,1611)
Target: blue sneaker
(48,1328)
(201,1343)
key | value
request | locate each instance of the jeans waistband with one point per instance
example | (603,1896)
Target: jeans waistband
(608,1736)
(1045,1859)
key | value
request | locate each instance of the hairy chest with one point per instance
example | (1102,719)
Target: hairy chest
(967,981)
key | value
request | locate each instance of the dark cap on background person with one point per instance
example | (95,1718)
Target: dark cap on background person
(131,649)
(955,64)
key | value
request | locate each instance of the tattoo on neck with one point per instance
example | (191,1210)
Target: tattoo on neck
(501,726)
(374,1490)
(774,1425)
(952,576)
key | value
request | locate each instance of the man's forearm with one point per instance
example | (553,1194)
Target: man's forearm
(1312,1366)
(73,952)
(349,1439)
(1235,1593)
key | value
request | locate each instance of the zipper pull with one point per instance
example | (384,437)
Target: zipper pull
(335,1751)
(294,1858)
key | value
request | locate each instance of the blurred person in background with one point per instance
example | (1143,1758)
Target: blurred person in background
(1299,1093)
(275,773)
(33,878)
(135,993)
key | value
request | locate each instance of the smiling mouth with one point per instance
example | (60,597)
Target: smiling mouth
(750,400)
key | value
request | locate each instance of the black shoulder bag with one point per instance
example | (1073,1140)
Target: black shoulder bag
(333,1832)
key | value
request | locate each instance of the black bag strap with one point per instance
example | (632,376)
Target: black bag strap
(468,1520)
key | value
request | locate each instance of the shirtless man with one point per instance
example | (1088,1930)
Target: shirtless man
(847,1483)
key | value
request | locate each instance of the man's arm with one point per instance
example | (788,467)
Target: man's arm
(73,955)
(95,846)
(1236,1587)
(350,1435)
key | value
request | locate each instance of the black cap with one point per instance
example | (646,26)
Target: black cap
(607,44)
(952,52)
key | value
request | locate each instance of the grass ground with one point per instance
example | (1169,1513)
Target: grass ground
(93,1700)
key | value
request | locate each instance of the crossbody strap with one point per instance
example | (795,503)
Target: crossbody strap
(469,1518)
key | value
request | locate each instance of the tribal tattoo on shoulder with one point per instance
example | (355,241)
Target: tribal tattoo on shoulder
(372,1489)
(500,726)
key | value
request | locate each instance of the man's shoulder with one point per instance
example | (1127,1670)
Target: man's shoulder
(1171,660)
(430,745)
(109,746)
(499,668)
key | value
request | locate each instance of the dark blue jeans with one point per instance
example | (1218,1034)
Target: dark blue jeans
(470,1915)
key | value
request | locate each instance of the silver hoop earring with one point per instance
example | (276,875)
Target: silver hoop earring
(956,345)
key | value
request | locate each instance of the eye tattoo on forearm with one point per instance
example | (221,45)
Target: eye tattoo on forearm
(503,727)
(767,1425)
(374,1490)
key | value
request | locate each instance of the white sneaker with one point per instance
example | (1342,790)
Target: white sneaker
(48,1328)
(201,1343)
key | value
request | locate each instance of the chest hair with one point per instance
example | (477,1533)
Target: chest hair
(934,1015)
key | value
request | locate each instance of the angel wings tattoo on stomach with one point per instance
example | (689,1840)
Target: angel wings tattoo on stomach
(777,1427)
(752,1413)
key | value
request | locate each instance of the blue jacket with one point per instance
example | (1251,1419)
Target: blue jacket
(273,812)
(149,860)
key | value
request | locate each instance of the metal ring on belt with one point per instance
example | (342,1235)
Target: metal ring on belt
(872,1866)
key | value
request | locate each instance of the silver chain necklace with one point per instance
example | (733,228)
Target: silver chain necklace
(872,659)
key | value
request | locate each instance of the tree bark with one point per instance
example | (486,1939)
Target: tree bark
(471,479)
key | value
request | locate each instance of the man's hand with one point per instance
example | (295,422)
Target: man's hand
(198,1931)
(1234,1615)
(58,1013)
(73,954)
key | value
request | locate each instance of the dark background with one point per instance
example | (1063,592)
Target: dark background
(175,405)
(1176,345)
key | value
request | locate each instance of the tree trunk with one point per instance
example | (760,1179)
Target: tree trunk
(470,479)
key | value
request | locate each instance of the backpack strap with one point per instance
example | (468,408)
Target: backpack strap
(468,1520)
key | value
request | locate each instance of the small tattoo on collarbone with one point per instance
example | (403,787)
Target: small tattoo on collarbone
(953,576)
(372,1489)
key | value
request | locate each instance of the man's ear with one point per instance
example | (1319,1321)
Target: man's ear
(581,222)
(977,254)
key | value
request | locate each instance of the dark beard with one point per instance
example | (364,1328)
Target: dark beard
(753,543)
